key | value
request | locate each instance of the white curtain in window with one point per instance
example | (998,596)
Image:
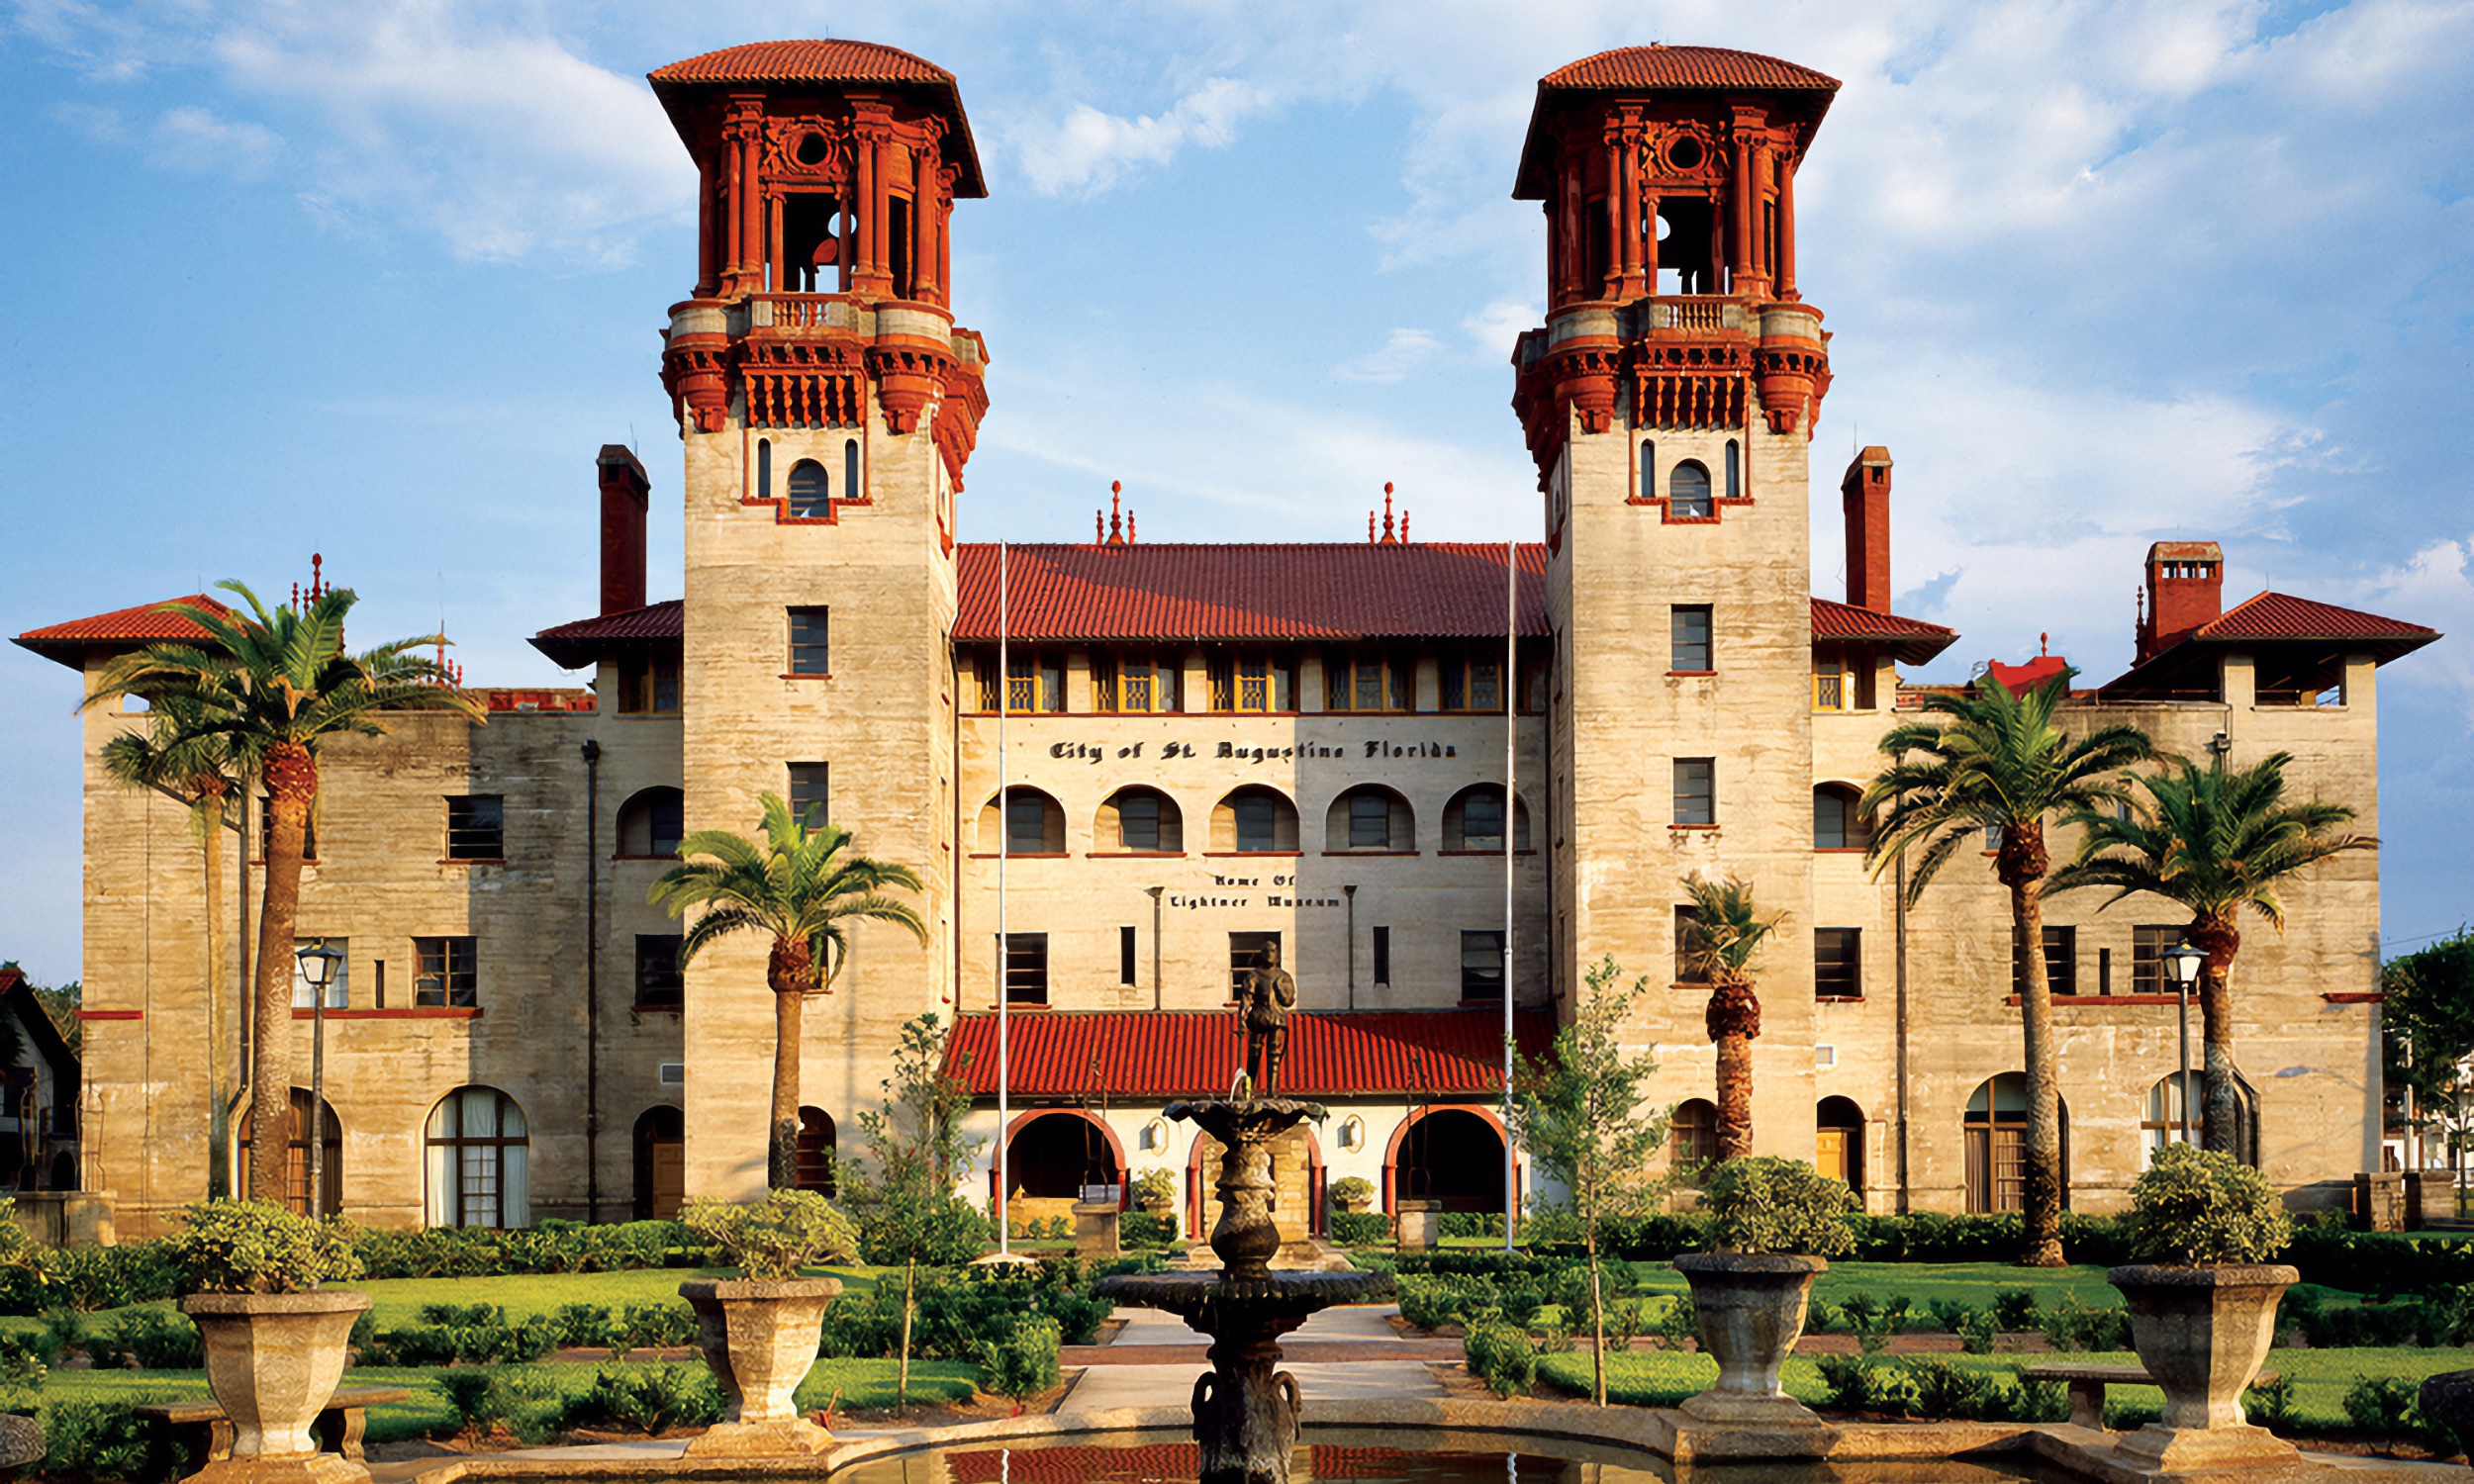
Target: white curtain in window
(515,1168)
(439,1162)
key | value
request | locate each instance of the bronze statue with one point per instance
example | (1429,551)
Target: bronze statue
(1270,993)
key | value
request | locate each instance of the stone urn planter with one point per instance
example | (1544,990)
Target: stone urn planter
(273,1359)
(760,1339)
(1750,1311)
(2202,1332)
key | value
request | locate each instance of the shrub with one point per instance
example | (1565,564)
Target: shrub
(1024,1361)
(1944,1391)
(89,1279)
(1352,1189)
(655,1326)
(1156,1187)
(585,1326)
(774,1238)
(2071,1326)
(2272,1405)
(1976,1329)
(100,1441)
(1844,1378)
(1500,1355)
(1873,1330)
(1471,1224)
(1555,1335)
(470,1396)
(652,1399)
(1765,1204)
(2015,1309)
(23,1371)
(2042,1401)
(2383,1407)
(1360,1227)
(1147,1229)
(158,1340)
(258,1247)
(530,1402)
(2195,1206)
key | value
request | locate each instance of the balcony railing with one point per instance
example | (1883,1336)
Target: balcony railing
(1697,313)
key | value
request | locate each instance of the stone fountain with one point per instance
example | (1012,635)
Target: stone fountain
(1246,1409)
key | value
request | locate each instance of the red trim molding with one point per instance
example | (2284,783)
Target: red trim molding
(396,1012)
(2355,996)
(111,1015)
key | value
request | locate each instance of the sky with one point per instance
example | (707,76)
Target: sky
(375,280)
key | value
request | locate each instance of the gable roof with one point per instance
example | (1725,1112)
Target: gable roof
(1912,640)
(120,629)
(586,640)
(788,64)
(2297,633)
(1197,1053)
(1357,590)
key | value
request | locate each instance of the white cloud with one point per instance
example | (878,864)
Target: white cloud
(195,139)
(2432,586)
(1088,151)
(1402,352)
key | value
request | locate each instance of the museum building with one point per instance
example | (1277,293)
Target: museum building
(1125,769)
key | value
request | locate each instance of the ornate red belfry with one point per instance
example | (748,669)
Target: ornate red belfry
(1668,178)
(826,177)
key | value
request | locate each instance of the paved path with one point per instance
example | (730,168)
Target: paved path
(1348,1352)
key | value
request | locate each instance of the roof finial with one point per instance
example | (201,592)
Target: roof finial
(318,581)
(1116,518)
(1099,531)
(1404,528)
(1389,539)
(1130,527)
(1370,527)
(2043,645)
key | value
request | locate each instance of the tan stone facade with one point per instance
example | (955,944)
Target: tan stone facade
(1687,705)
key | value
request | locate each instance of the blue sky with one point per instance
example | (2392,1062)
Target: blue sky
(376,280)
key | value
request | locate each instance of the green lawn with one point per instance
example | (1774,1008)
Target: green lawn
(2320,1377)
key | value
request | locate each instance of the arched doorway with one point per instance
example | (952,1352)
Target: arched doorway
(1839,1140)
(1451,1155)
(1297,1185)
(1997,1135)
(1053,1155)
(478,1149)
(1692,1137)
(2161,1121)
(660,1162)
(296,1159)
(815,1168)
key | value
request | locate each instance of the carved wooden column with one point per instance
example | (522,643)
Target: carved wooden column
(1612,278)
(708,250)
(777,277)
(1739,204)
(1787,160)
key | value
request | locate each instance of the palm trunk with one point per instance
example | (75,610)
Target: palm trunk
(218,986)
(291,784)
(1734,1018)
(2042,1194)
(2219,1107)
(782,1159)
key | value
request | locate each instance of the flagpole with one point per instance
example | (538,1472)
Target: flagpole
(1004,831)
(1511,816)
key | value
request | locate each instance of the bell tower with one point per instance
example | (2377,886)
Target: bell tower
(827,405)
(1668,403)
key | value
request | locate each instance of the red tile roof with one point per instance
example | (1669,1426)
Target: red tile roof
(792,62)
(1426,589)
(2307,641)
(1197,1053)
(1911,639)
(1684,67)
(2027,677)
(586,639)
(2280,616)
(120,629)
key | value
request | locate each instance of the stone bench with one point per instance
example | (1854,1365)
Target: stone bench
(2088,1385)
(204,1434)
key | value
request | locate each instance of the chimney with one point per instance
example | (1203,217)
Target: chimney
(623,492)
(2185,589)
(1866,498)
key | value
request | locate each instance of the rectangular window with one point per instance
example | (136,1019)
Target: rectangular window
(658,982)
(1696,790)
(648,684)
(1382,956)
(1026,968)
(1481,821)
(1125,955)
(808,652)
(1245,951)
(812,793)
(476,829)
(2147,949)
(1034,681)
(2061,960)
(338,988)
(1482,964)
(1369,821)
(1369,680)
(1473,682)
(1686,971)
(2104,971)
(1829,686)
(1257,818)
(1134,682)
(1689,638)
(445,972)
(1138,821)
(1027,824)
(1253,683)
(1837,964)
(378,983)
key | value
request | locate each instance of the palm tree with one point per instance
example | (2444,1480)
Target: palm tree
(1722,946)
(1997,763)
(279,686)
(800,889)
(2213,840)
(177,754)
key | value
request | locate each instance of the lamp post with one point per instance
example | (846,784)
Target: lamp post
(2184,960)
(318,963)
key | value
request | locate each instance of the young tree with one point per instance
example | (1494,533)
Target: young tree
(2213,840)
(1579,1114)
(901,1188)
(277,685)
(803,893)
(178,753)
(2427,1026)
(1722,946)
(1990,760)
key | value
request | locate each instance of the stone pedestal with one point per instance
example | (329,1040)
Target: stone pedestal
(2202,1332)
(1418,1225)
(1750,1309)
(2379,1201)
(760,1339)
(1095,1229)
(273,1359)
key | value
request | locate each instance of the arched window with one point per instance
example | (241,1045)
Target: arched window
(1254,819)
(2160,1123)
(851,488)
(1692,1136)
(1734,470)
(1687,491)
(1649,469)
(478,1152)
(1997,1139)
(1056,1155)
(1370,817)
(1454,1156)
(660,1162)
(815,1168)
(1837,824)
(1140,819)
(1033,824)
(651,823)
(811,492)
(764,468)
(1839,1140)
(296,1184)
(1473,821)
